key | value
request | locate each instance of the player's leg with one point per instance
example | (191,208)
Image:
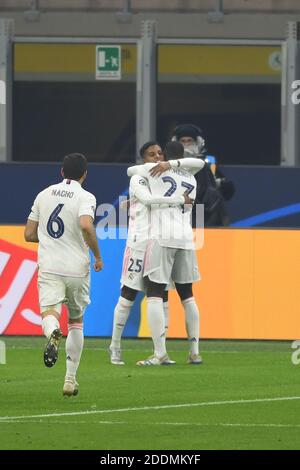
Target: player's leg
(121,314)
(185,272)
(155,316)
(51,295)
(50,320)
(74,347)
(166,311)
(51,329)
(132,282)
(192,321)
(77,292)
(158,267)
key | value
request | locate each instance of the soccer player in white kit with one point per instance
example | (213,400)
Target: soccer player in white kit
(61,221)
(171,253)
(132,280)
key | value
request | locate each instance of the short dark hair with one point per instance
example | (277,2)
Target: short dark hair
(173,150)
(146,146)
(74,166)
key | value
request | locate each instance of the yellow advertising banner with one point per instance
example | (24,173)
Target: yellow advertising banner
(172,59)
(249,287)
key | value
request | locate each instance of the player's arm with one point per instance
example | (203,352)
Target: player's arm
(31,229)
(90,238)
(140,170)
(86,219)
(192,165)
(142,193)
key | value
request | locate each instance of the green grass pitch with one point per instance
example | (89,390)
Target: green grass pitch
(246,395)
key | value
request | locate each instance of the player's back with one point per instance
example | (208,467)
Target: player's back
(62,249)
(172,225)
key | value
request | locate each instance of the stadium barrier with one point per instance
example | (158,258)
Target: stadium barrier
(249,287)
(265,196)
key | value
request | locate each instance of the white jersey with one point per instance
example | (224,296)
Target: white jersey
(62,249)
(171,225)
(141,200)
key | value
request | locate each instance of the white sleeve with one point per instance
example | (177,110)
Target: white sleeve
(141,191)
(136,170)
(35,210)
(141,170)
(87,205)
(192,165)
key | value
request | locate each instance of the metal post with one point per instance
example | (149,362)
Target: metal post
(219,6)
(217,15)
(34,13)
(146,85)
(6,76)
(290,111)
(125,16)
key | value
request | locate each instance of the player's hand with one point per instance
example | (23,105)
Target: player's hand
(188,200)
(125,204)
(160,168)
(98,265)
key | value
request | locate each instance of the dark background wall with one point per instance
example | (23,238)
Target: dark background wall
(241,122)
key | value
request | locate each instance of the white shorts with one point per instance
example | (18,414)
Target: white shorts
(163,264)
(133,267)
(55,290)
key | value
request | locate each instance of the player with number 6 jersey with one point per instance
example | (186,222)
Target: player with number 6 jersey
(57,209)
(61,221)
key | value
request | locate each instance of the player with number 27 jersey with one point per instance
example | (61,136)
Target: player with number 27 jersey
(141,200)
(170,224)
(57,209)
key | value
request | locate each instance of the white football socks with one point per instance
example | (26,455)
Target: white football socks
(121,315)
(155,315)
(49,324)
(166,316)
(192,322)
(74,346)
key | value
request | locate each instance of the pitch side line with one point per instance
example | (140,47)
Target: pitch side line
(118,423)
(146,408)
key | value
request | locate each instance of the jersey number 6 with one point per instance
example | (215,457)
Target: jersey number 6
(55,225)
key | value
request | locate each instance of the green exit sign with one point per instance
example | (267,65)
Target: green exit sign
(108,62)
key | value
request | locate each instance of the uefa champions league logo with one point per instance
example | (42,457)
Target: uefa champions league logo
(2,353)
(2,92)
